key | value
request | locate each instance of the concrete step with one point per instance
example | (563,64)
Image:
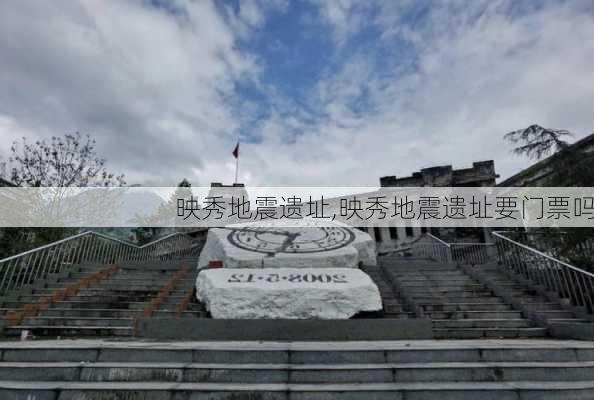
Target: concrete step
(571,321)
(465,306)
(444,286)
(83,304)
(394,309)
(391,301)
(104,297)
(481,323)
(79,321)
(429,272)
(539,306)
(65,331)
(114,292)
(524,292)
(556,314)
(509,285)
(410,282)
(95,298)
(87,312)
(554,390)
(419,267)
(477,333)
(447,276)
(158,282)
(193,310)
(398,315)
(305,373)
(430,299)
(152,287)
(439,292)
(299,353)
(474,314)
(382,286)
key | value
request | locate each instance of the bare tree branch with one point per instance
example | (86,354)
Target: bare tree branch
(68,161)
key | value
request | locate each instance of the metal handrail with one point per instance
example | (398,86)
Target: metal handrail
(88,247)
(440,250)
(559,277)
(541,254)
(434,248)
(437,239)
(24,253)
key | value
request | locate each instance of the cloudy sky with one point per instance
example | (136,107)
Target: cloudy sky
(321,93)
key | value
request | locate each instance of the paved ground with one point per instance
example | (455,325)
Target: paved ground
(252,345)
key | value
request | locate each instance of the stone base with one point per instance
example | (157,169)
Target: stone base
(284,330)
(287,293)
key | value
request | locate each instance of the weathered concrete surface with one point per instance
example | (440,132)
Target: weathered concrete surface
(287,293)
(284,330)
(580,331)
(302,244)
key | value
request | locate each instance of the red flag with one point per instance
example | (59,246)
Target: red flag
(236,151)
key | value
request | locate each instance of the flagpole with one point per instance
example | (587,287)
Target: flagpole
(236,160)
(236,167)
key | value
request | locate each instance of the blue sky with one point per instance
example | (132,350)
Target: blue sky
(324,93)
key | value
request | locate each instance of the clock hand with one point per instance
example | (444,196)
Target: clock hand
(289,240)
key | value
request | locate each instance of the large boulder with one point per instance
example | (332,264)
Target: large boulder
(290,244)
(291,293)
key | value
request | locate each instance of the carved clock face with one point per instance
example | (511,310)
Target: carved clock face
(291,240)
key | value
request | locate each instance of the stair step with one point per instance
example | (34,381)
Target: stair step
(477,333)
(481,323)
(156,282)
(553,390)
(538,306)
(555,314)
(84,304)
(445,286)
(570,321)
(429,299)
(398,315)
(101,296)
(61,330)
(305,373)
(78,321)
(395,309)
(253,352)
(436,292)
(465,306)
(103,313)
(474,314)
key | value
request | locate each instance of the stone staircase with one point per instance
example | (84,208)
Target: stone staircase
(523,295)
(394,307)
(415,370)
(107,308)
(459,306)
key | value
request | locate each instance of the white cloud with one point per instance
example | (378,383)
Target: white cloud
(157,89)
(345,17)
(476,80)
(150,85)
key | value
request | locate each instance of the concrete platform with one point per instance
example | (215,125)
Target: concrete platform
(284,330)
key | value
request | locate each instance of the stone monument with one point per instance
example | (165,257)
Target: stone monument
(299,269)
(290,244)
